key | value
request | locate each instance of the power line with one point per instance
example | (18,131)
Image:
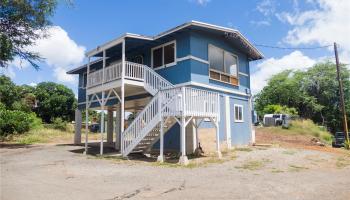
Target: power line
(291,48)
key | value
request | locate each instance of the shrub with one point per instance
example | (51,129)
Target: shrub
(15,121)
(59,124)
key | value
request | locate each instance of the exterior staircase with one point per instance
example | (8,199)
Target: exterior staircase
(168,102)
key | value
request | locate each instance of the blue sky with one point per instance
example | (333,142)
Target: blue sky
(280,23)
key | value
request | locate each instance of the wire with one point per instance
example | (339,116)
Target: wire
(289,48)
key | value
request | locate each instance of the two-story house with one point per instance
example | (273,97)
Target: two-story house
(174,83)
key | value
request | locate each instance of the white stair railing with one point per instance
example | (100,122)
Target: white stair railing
(175,102)
(154,82)
(144,122)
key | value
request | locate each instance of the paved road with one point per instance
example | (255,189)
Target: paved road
(60,172)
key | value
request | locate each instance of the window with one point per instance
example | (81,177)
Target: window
(238,112)
(164,55)
(83,80)
(223,65)
(137,59)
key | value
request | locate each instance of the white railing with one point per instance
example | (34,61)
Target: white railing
(113,72)
(201,103)
(153,81)
(145,121)
(134,70)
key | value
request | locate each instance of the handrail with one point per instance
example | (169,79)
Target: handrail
(175,102)
(153,81)
(145,120)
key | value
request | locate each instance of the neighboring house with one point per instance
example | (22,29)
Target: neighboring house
(174,81)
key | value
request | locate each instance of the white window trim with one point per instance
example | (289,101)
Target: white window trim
(162,46)
(234,113)
(226,73)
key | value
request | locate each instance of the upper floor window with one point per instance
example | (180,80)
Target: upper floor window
(164,55)
(223,65)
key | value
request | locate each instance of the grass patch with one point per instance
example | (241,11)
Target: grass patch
(289,152)
(342,162)
(46,135)
(246,149)
(295,168)
(254,164)
(303,127)
(274,170)
(43,135)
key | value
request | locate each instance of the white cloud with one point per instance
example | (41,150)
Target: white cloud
(8,71)
(201,2)
(260,23)
(60,52)
(295,61)
(266,7)
(33,84)
(328,22)
(61,75)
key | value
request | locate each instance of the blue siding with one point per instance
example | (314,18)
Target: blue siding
(240,131)
(171,139)
(200,71)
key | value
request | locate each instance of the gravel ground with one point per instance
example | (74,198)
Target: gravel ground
(62,172)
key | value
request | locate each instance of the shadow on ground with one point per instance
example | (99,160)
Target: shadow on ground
(15,146)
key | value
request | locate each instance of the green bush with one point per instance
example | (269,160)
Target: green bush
(59,124)
(15,121)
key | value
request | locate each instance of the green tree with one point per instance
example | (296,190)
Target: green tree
(54,100)
(22,22)
(278,109)
(313,93)
(8,92)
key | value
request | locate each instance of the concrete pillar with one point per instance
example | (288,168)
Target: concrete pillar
(183,159)
(110,126)
(78,121)
(191,143)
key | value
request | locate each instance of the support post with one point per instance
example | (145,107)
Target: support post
(122,97)
(218,139)
(228,122)
(102,122)
(251,119)
(341,94)
(161,133)
(183,159)
(161,148)
(117,128)
(77,132)
(87,109)
(110,126)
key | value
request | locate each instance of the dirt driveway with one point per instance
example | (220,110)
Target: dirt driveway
(59,172)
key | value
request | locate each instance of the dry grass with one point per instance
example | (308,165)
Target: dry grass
(47,135)
(302,127)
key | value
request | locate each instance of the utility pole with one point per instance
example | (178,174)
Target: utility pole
(341,92)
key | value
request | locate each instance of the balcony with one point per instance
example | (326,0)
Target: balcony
(133,71)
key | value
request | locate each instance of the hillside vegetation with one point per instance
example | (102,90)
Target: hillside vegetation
(305,128)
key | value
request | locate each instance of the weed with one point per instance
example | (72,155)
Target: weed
(274,170)
(254,164)
(342,162)
(246,149)
(289,152)
(295,168)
